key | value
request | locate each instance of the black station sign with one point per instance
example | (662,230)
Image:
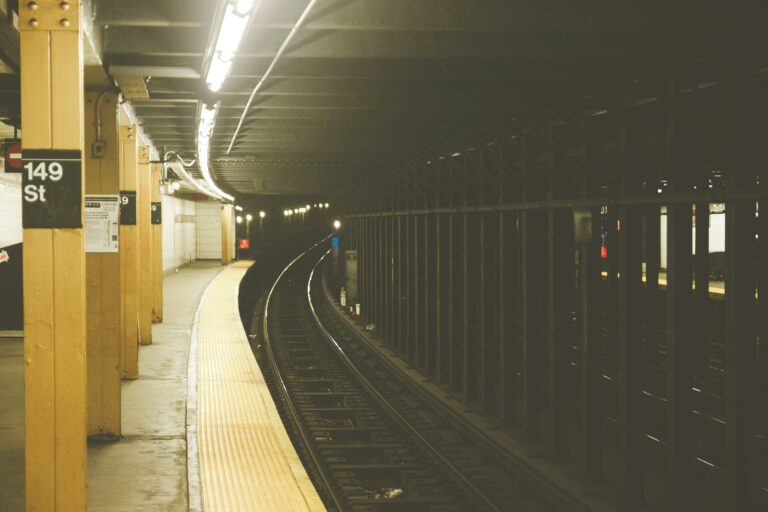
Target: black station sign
(156,211)
(127,207)
(52,193)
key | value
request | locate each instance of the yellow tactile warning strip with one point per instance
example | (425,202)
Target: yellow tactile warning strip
(247,461)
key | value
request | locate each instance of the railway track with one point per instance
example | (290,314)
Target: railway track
(369,443)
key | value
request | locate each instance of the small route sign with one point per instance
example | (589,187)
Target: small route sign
(13,161)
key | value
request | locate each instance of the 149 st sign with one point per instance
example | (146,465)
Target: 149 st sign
(52,193)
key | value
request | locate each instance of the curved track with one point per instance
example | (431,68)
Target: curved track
(369,444)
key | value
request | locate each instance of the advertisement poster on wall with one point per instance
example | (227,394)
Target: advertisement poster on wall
(11,284)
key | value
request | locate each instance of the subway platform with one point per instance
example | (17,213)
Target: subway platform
(200,430)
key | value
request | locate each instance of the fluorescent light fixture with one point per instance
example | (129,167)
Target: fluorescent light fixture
(337,225)
(237,17)
(238,208)
(249,217)
(262,214)
(327,205)
(239,219)
(207,118)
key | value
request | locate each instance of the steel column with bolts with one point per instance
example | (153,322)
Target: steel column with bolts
(54,263)
(129,256)
(157,247)
(143,214)
(103,297)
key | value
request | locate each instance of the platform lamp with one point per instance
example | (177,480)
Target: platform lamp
(248,219)
(262,214)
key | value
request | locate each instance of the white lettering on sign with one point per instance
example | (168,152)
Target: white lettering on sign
(34,193)
(44,171)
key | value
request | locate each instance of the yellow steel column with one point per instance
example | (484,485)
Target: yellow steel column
(102,178)
(145,248)
(129,252)
(157,246)
(54,267)
(226,233)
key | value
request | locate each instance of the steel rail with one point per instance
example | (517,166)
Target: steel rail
(285,395)
(391,410)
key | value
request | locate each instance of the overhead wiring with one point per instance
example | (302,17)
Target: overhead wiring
(272,65)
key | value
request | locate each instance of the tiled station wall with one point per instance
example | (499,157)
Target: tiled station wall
(179,232)
(208,222)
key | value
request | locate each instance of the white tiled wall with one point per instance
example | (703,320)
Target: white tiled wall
(208,222)
(179,233)
(10,209)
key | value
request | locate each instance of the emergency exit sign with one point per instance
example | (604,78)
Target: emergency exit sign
(51,187)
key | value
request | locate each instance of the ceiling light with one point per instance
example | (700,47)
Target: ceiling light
(207,118)
(336,224)
(262,214)
(249,217)
(238,208)
(237,17)
(239,219)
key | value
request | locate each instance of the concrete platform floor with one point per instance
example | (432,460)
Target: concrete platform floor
(147,469)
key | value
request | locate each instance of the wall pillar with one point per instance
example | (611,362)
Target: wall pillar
(103,273)
(54,264)
(129,252)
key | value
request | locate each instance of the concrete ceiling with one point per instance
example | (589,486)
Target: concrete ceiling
(367,81)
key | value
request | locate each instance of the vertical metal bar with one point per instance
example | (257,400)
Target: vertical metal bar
(560,259)
(507,289)
(458,287)
(701,277)
(470,326)
(679,355)
(431,271)
(531,315)
(652,265)
(740,348)
(630,269)
(439,301)
(627,254)
(418,288)
(591,349)
(741,393)
(489,339)
(392,278)
(426,283)
(401,284)
(453,309)
(679,346)
(762,305)
(376,294)
(411,280)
